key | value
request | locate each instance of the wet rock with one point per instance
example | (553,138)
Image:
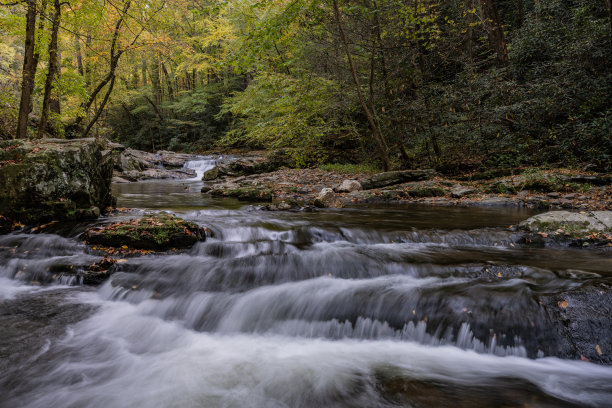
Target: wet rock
(173,159)
(424,190)
(496,201)
(327,199)
(584,229)
(580,223)
(155,232)
(136,160)
(585,318)
(99,271)
(348,186)
(54,179)
(390,178)
(211,174)
(119,180)
(285,205)
(243,193)
(462,191)
(159,174)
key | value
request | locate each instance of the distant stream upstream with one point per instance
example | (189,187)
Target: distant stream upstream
(360,307)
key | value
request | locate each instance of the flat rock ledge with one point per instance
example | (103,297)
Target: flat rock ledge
(155,232)
(582,229)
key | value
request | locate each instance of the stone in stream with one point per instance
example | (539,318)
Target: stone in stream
(585,318)
(581,229)
(460,191)
(390,178)
(245,166)
(348,186)
(211,174)
(54,179)
(242,193)
(156,232)
(328,199)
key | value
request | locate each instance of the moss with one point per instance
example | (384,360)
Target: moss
(246,193)
(159,232)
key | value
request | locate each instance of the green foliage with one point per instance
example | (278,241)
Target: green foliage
(190,122)
(278,111)
(351,168)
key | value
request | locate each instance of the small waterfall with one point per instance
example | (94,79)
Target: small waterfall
(202,165)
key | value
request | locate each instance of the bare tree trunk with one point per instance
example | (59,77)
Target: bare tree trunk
(156,82)
(100,108)
(44,116)
(143,70)
(495,31)
(168,80)
(383,150)
(29,71)
(79,57)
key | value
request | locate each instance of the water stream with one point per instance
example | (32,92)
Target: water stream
(377,307)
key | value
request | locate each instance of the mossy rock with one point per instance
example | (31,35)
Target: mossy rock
(54,179)
(157,232)
(253,194)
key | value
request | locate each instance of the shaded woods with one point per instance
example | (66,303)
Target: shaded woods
(459,85)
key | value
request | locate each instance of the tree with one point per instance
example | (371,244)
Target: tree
(383,150)
(53,63)
(29,71)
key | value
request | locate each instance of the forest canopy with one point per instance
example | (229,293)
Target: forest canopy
(458,85)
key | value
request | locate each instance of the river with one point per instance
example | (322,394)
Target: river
(359,307)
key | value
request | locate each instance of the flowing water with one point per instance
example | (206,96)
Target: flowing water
(377,307)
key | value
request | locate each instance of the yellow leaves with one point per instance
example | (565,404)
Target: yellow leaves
(124,247)
(598,349)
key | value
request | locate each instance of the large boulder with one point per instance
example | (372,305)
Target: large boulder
(582,222)
(54,179)
(328,199)
(582,229)
(245,166)
(391,178)
(173,159)
(254,193)
(158,174)
(155,232)
(137,160)
(348,186)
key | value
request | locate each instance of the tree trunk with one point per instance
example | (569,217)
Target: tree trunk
(29,71)
(168,80)
(156,82)
(115,55)
(609,4)
(100,108)
(495,31)
(378,137)
(79,57)
(44,116)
